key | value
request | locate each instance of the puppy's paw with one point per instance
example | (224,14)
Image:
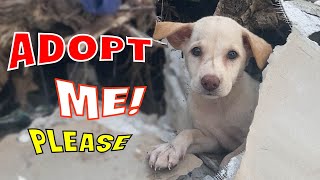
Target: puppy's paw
(165,156)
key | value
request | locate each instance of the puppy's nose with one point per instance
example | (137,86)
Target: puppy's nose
(210,82)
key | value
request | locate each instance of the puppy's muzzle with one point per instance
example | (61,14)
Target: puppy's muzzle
(210,82)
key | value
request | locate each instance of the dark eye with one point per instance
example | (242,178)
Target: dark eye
(232,55)
(196,51)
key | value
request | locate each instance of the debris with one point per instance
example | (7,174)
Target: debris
(13,122)
(265,18)
(99,7)
(315,37)
(288,105)
(304,22)
(229,172)
(29,88)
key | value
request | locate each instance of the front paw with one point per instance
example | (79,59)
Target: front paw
(165,156)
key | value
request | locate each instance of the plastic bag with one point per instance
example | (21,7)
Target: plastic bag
(100,7)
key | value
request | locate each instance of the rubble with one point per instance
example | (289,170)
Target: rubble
(127,18)
(288,105)
(304,16)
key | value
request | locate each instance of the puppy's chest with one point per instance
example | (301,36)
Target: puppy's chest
(222,116)
(228,123)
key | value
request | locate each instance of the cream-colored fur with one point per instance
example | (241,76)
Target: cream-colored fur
(221,116)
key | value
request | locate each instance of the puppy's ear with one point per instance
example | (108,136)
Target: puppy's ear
(176,33)
(258,48)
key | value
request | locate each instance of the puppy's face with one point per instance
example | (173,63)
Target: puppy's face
(215,56)
(216,50)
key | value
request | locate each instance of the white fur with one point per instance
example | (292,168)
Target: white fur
(220,118)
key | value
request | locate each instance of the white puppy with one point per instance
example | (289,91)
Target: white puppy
(223,97)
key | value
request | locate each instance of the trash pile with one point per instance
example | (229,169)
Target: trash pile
(29,93)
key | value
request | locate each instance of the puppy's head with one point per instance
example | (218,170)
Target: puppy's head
(216,50)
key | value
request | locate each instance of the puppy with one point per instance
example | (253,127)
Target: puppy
(223,97)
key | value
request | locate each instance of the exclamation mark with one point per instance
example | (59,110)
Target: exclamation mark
(136,100)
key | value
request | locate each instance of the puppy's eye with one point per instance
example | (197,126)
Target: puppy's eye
(232,55)
(196,51)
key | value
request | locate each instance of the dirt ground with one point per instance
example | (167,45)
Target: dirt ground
(19,161)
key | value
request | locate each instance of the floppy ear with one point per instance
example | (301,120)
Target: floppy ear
(259,48)
(176,33)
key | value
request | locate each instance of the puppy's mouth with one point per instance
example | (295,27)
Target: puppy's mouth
(213,94)
(210,95)
(207,94)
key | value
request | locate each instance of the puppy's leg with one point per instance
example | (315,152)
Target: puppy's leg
(192,140)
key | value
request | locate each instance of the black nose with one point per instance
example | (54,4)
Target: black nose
(210,82)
